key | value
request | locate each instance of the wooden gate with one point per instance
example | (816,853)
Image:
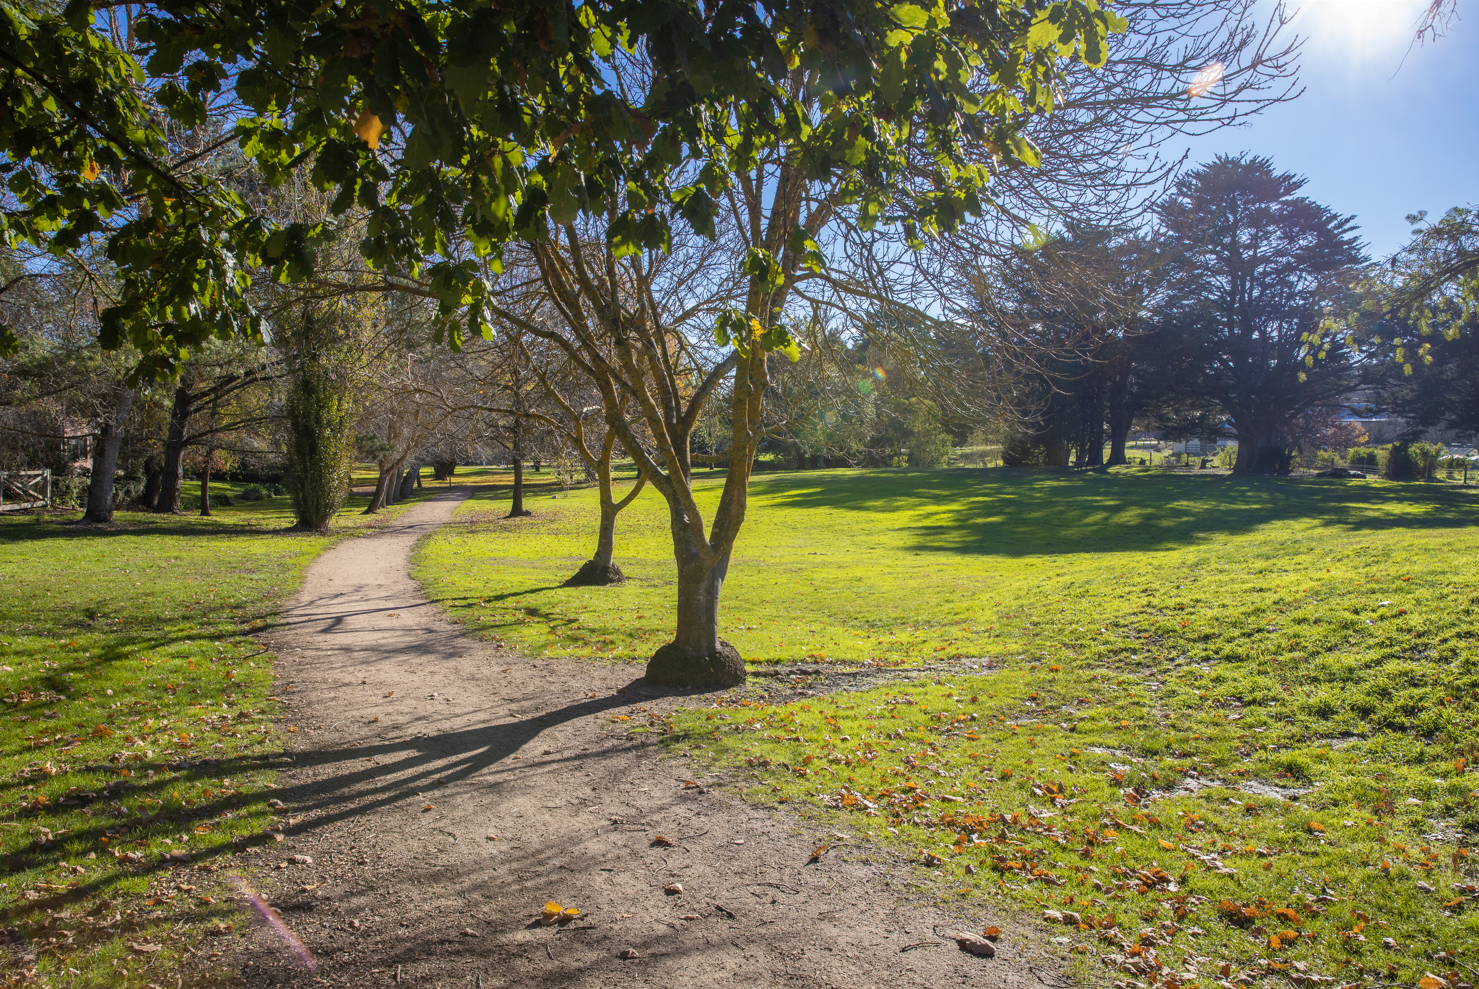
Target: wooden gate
(24,489)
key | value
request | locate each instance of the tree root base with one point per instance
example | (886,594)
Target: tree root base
(674,666)
(519,515)
(593,574)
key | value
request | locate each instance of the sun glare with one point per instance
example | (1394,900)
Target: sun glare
(1357,31)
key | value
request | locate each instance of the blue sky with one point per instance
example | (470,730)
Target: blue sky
(1377,136)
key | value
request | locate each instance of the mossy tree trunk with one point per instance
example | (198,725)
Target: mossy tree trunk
(321,416)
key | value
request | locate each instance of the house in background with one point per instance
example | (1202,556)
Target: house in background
(1204,447)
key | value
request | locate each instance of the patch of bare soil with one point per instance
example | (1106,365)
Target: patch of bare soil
(443,791)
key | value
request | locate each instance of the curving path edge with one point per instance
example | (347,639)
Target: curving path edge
(445,790)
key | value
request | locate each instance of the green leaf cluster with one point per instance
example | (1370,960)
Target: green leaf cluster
(460,122)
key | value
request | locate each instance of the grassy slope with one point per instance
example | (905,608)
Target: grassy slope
(1247,696)
(126,664)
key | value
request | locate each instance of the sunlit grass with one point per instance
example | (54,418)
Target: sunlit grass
(137,745)
(1224,721)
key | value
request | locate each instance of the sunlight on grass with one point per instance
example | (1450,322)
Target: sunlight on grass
(1215,730)
(137,750)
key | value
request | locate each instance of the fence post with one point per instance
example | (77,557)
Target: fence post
(48,487)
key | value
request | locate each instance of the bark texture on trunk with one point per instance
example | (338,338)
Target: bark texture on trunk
(105,461)
(1263,448)
(697,657)
(205,482)
(172,477)
(152,474)
(1119,434)
(517,510)
(377,497)
(601,569)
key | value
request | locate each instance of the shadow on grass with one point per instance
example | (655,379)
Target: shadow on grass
(266,518)
(343,788)
(1023,512)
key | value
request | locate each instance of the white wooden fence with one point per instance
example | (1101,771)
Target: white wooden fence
(24,489)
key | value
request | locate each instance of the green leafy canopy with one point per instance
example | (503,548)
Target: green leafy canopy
(464,123)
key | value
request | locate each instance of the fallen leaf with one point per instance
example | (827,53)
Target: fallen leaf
(662,841)
(673,889)
(992,932)
(976,945)
(147,949)
(628,953)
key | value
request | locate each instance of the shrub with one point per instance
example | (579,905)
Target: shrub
(1399,464)
(1425,458)
(252,492)
(1363,456)
(929,444)
(1021,450)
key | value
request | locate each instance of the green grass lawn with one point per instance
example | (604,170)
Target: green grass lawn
(136,729)
(1222,728)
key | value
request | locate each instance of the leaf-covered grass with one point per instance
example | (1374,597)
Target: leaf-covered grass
(1226,724)
(137,745)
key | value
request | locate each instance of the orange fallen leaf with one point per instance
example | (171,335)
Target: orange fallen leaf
(1317,827)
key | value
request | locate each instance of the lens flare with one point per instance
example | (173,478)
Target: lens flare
(1204,80)
(879,373)
(296,949)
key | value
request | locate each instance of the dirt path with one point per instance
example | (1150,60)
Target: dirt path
(445,790)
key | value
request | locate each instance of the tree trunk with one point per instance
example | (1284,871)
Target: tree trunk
(105,461)
(1119,433)
(518,509)
(377,497)
(152,475)
(205,482)
(696,657)
(601,569)
(1263,448)
(172,477)
(408,481)
(1096,433)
